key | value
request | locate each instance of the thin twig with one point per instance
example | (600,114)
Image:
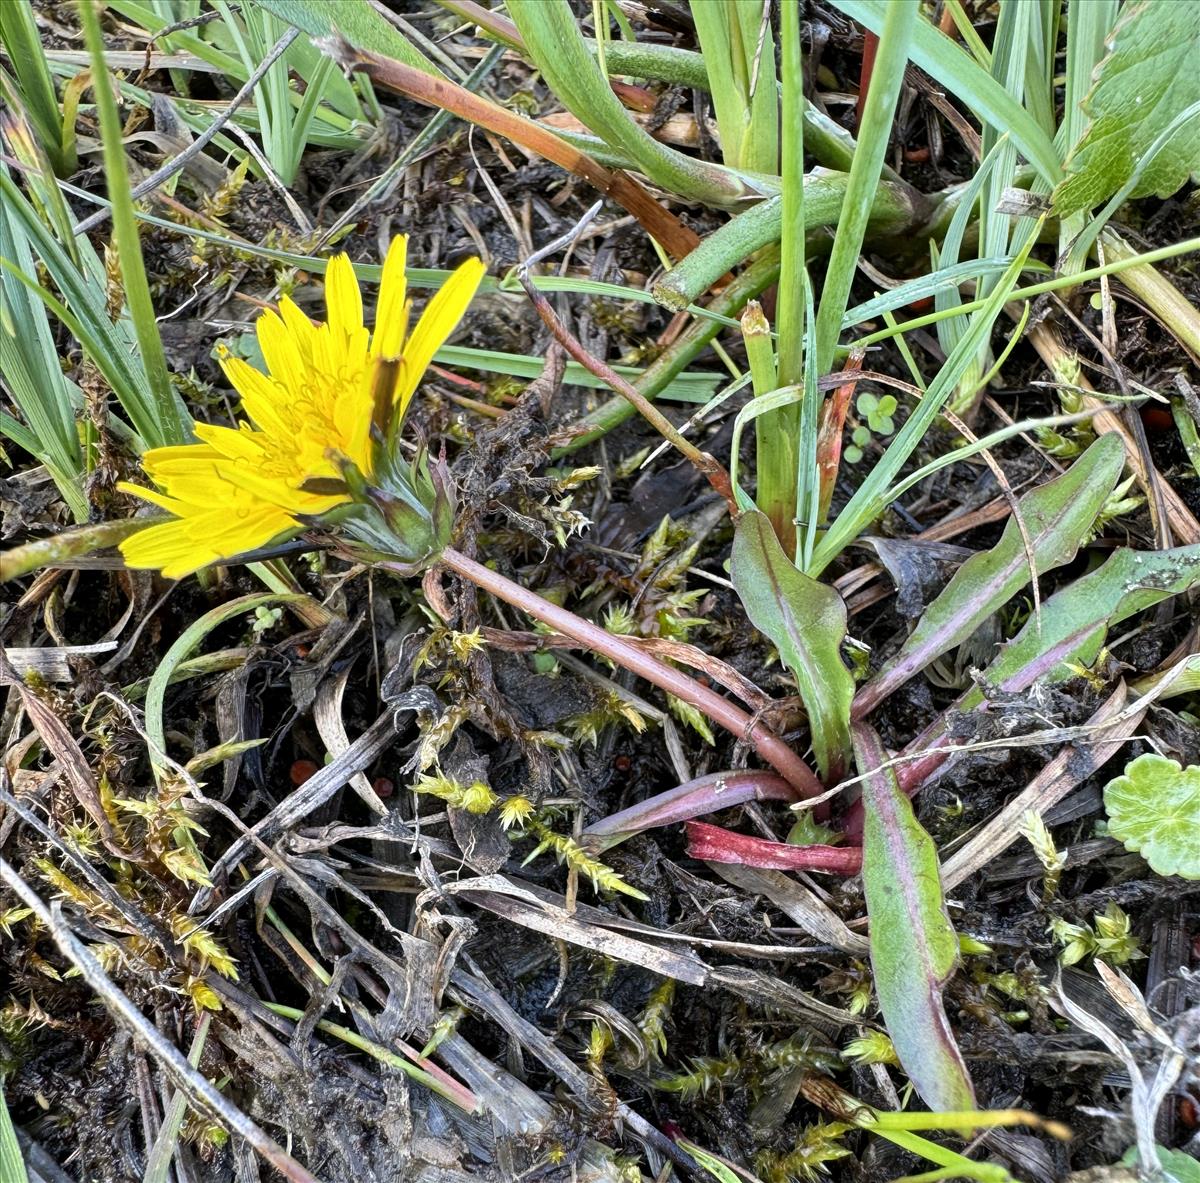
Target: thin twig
(192,22)
(166,171)
(199,1091)
(705,463)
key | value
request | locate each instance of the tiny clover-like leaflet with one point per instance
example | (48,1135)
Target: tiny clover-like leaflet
(1154,808)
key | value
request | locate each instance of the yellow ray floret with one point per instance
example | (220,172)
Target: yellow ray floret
(238,489)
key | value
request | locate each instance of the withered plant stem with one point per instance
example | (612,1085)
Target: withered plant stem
(627,655)
(705,463)
(434,91)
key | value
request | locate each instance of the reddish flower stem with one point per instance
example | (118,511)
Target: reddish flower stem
(735,720)
(717,845)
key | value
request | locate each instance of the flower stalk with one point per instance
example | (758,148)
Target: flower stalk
(629,656)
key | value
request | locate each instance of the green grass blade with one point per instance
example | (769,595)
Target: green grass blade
(792,262)
(110,347)
(946,298)
(34,164)
(158,1162)
(946,277)
(554,42)
(863,185)
(170,421)
(1088,24)
(777,433)
(954,69)
(761,146)
(889,210)
(183,647)
(23,48)
(31,372)
(12,1163)
(808,475)
(687,388)
(741,81)
(332,124)
(728,98)
(869,499)
(1131,262)
(357,21)
(763,404)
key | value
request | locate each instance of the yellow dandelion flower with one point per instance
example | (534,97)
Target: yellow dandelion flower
(310,417)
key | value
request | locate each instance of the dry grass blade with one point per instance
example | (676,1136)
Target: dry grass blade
(52,663)
(200,1092)
(314,792)
(1063,364)
(797,902)
(63,747)
(536,909)
(448,96)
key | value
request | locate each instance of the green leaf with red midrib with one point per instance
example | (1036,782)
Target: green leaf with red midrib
(914,948)
(806,620)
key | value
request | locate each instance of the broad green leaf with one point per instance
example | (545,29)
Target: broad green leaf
(1056,516)
(357,21)
(914,948)
(1148,78)
(1070,634)
(806,620)
(1154,808)
(1177,1165)
(1075,621)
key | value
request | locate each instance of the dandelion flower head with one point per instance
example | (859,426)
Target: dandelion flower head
(311,413)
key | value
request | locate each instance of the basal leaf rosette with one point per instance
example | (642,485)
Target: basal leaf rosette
(1155,810)
(320,443)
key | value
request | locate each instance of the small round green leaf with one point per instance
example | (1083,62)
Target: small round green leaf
(1155,809)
